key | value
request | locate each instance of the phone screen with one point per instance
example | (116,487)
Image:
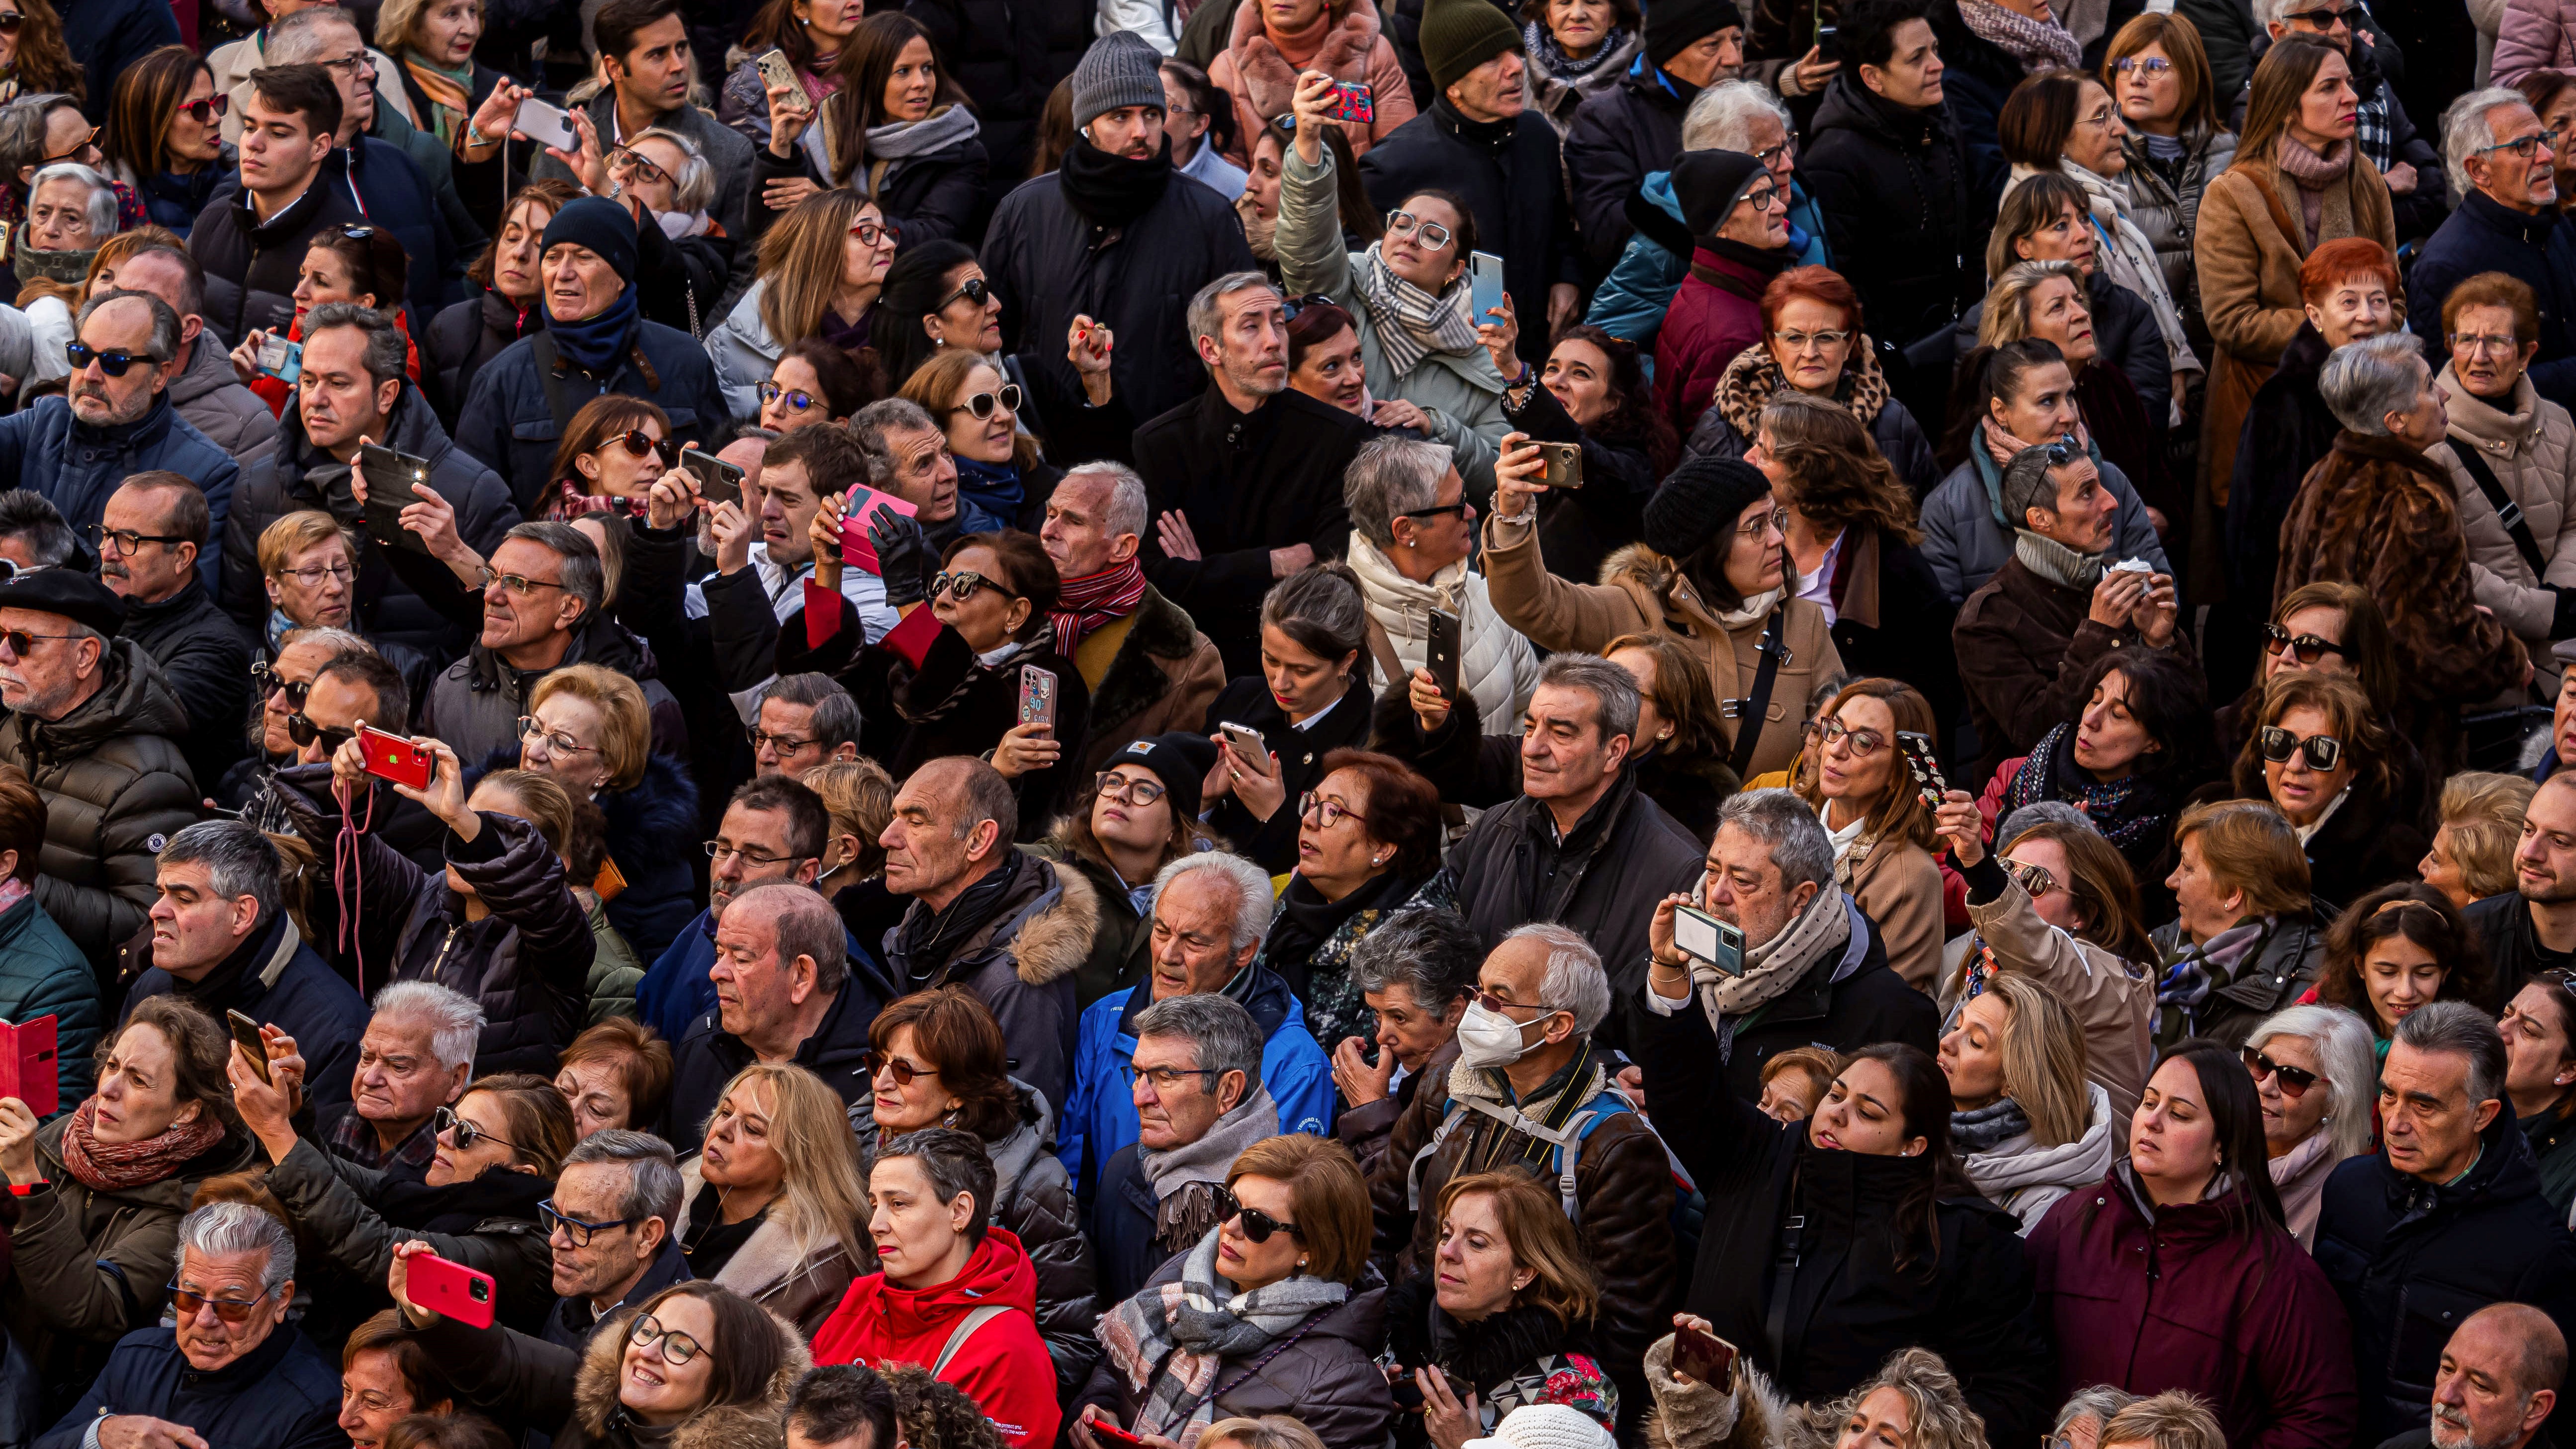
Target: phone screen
(246,1035)
(1487,272)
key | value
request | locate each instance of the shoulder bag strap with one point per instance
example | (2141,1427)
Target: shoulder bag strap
(2508,512)
(543,344)
(2291,230)
(1382,649)
(974,1319)
(1752,712)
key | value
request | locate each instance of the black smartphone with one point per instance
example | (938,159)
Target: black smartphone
(390,476)
(246,1036)
(718,480)
(1442,652)
(1927,768)
(1406,1389)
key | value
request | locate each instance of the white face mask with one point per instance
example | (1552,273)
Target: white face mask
(1488,1039)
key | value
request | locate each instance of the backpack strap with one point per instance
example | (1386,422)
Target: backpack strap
(975,1318)
(1413,1172)
(543,345)
(2508,512)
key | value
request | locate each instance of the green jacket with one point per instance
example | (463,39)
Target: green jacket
(615,971)
(43,974)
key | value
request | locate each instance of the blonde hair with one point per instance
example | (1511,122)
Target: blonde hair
(809,1129)
(1934,1402)
(281,541)
(802,263)
(859,796)
(2171,1420)
(939,384)
(2484,812)
(1270,1431)
(2007,317)
(626,721)
(2043,1057)
(396,21)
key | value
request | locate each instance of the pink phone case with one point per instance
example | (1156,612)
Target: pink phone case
(857,550)
(451,1289)
(29,1068)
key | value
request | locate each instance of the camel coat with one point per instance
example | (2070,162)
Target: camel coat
(2251,242)
(1899,887)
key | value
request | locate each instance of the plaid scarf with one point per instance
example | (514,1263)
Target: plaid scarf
(1171,1341)
(353,1139)
(2370,130)
(2192,972)
(1411,323)
(2038,44)
(118,1166)
(2124,811)
(1094,601)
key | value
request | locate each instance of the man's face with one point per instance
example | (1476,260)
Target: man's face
(122,326)
(924,853)
(1912,75)
(1493,91)
(1406,1029)
(1134,132)
(579,282)
(2428,1124)
(654,72)
(58,217)
(2326,20)
(752,849)
(756,993)
(1192,948)
(1515,974)
(2544,862)
(353,71)
(193,926)
(399,1082)
(1742,887)
(2480,1399)
(925,474)
(155,570)
(788,504)
(160,274)
(297,663)
(312,589)
(1251,343)
(279,149)
(339,400)
(1714,57)
(1076,532)
(207,1341)
(1563,756)
(337,706)
(1178,1115)
(2086,512)
(784,743)
(512,619)
(614,1257)
(53,672)
(2524,183)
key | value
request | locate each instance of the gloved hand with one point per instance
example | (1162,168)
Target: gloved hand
(903,557)
(2562,621)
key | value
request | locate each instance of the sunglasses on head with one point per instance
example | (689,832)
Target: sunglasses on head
(1257,1225)
(2295,1081)
(270,682)
(976,290)
(113,361)
(304,732)
(2323,751)
(2307,648)
(982,404)
(640,442)
(234,1311)
(1289,308)
(205,112)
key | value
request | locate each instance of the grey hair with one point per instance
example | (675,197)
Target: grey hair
(289,43)
(693,186)
(2363,382)
(583,578)
(223,1229)
(455,1019)
(2350,1055)
(22,129)
(1206,315)
(1721,117)
(102,197)
(2274,12)
(2465,130)
(2026,485)
(1252,908)
(1575,982)
(341,641)
(804,925)
(2101,1401)
(653,1185)
(836,715)
(1430,952)
(27,514)
(165,319)
(1391,476)
(239,861)
(2463,1030)
(2042,812)
(1129,506)
(1220,1031)
(385,358)
(1788,825)
(955,1162)
(985,795)
(1613,689)
(872,423)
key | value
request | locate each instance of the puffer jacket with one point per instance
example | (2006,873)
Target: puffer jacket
(2026,1179)
(615,969)
(1965,537)
(2164,201)
(1895,188)
(744,353)
(2529,447)
(43,974)
(2533,35)
(930,196)
(1002,1365)
(251,265)
(116,789)
(2282,965)
(1726,428)
(1499,668)
(1019,961)
(506,423)
(1261,75)
(2114,1000)
(800,1287)
(75,466)
(1630,302)
(526,1383)
(464,336)
(213,401)
(357,1214)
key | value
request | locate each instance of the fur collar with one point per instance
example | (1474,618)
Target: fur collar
(1270,79)
(1655,580)
(1133,681)
(1754,377)
(1485,1353)
(1058,937)
(751,1424)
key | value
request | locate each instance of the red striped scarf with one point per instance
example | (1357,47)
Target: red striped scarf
(1087,603)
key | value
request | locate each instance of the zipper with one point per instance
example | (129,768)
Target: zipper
(435,967)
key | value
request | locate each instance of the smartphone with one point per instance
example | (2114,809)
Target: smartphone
(777,71)
(1446,644)
(1406,1389)
(548,125)
(1699,934)
(1564,464)
(246,1036)
(857,549)
(452,1289)
(1109,1433)
(718,480)
(1037,695)
(1825,37)
(1919,758)
(392,757)
(1486,270)
(281,359)
(1353,102)
(390,476)
(29,1066)
(1704,1356)
(1247,743)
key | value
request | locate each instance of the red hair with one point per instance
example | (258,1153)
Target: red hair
(2345,257)
(1822,285)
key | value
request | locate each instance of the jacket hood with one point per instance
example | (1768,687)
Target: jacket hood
(2021,1162)
(209,370)
(997,1272)
(1047,924)
(136,699)
(1658,577)
(750,1424)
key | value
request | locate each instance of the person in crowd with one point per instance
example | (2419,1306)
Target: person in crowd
(812,39)
(2181,1225)
(944,1259)
(815,382)
(616,1074)
(101,1190)
(1632,117)
(898,132)
(1416,972)
(2244,941)
(1267,56)
(2502,1372)
(1143,814)
(41,972)
(609,1230)
(1813,345)
(1245,484)
(2471,857)
(1794,1082)
(787,989)
(1873,809)
(2049,300)
(1736,214)
(71,209)
(207,1377)
(1001,470)
(94,725)
(2453,1164)
(2028,1125)
(2539,1028)
(2131,755)
(233,63)
(1593,393)
(936,296)
(823,265)
(1287,1260)
(203,387)
(2386,958)
(770,1205)
(1409,550)
(416,1056)
(1913,1401)
(45,127)
(2047,217)
(1311,698)
(502,303)
(434,43)
(38,60)
(2158,73)
(2029,637)
(164,135)
(2330,628)
(2311,1066)
(294,184)
(385,1379)
(1198,116)
(1368,846)
(591,728)
(2296,150)
(2387,134)
(2304,717)
(804,720)
(772,828)
(1146,665)
(2502,224)
(149,537)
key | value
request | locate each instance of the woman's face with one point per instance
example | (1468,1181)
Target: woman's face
(452,1163)
(2043,411)
(2298,788)
(738,1152)
(2317,621)
(2069,238)
(914,84)
(581,769)
(1884,1420)
(2094,144)
(2328,108)
(1856,768)
(1811,342)
(2150,88)
(1116,821)
(1790,1096)
(1653,726)
(1755,558)
(980,420)
(373,1394)
(796,379)
(2060,313)
(1331,372)
(2057,906)
(1474,1273)
(1340,857)
(447,30)
(1249,1265)
(325,277)
(829,23)
(1578,374)
(1291,16)
(2173,1139)
(2109,739)
(963,322)
(597,1091)
(612,470)
(915,1232)
(9,40)
(2356,307)
(994,614)
(2560,120)
(1580,25)
(1413,258)
(651,170)
(1864,1112)
(868,252)
(514,256)
(2399,977)
(2288,1120)
(1302,682)
(2487,353)
(1972,1054)
(2536,1049)
(2441,868)
(191,139)
(908,1106)
(2205,904)
(137,1093)
(1764,454)
(650,1383)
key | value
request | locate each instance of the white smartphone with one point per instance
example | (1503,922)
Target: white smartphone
(548,125)
(1248,745)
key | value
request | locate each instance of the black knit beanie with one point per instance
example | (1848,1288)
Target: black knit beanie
(1672,26)
(1709,184)
(1700,500)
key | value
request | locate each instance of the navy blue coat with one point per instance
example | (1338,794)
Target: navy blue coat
(75,466)
(2482,236)
(288,986)
(394,193)
(1122,1228)
(505,421)
(280,1395)
(106,36)
(675,991)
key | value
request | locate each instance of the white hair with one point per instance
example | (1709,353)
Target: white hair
(2348,1059)
(2363,382)
(455,1019)
(102,197)
(2466,129)
(1575,983)
(224,1229)
(1721,117)
(1252,907)
(1128,504)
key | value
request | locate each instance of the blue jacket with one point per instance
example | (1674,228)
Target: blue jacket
(75,466)
(1965,538)
(286,985)
(506,422)
(2482,236)
(1100,1114)
(675,992)
(280,1395)
(43,974)
(1630,302)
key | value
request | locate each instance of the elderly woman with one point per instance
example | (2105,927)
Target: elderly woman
(386,1375)
(1412,529)
(770,1204)
(1913,1401)
(1271,49)
(2158,73)
(36,60)
(1288,1272)
(70,211)
(1368,845)
(2322,758)
(1592,392)
(1857,779)
(2539,1027)
(2135,750)
(38,130)
(1142,815)
(1736,213)
(2028,1125)
(591,730)
(2317,1077)
(617,1073)
(433,41)
(1577,49)
(682,254)
(164,136)
(2243,924)
(2331,628)
(945,1263)
(822,267)
(2471,857)
(2050,300)
(1311,698)
(502,305)
(2399,948)
(1813,344)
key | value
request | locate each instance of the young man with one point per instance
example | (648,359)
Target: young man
(294,183)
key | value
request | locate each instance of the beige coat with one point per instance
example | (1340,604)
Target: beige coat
(2531,449)
(2114,999)
(1899,886)
(1643,591)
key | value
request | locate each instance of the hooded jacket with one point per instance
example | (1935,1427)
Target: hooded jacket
(1965,537)
(213,401)
(767,1269)
(507,423)
(284,983)
(280,1395)
(43,974)
(1018,958)
(251,266)
(116,789)
(1512,176)
(525,1383)
(1895,188)
(207,663)
(1002,1365)
(1630,301)
(2026,1179)
(76,466)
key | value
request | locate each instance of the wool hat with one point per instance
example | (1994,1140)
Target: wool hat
(1709,184)
(1673,26)
(69,593)
(1546,1426)
(1460,35)
(604,226)
(1180,760)
(1120,69)
(1700,500)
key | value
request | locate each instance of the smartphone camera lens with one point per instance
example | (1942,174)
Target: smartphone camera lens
(481,1291)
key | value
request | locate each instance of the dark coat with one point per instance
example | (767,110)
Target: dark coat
(76,466)
(1019,960)
(1891,618)
(476,703)
(1895,187)
(1846,1000)
(675,993)
(1272,843)
(935,196)
(1007,54)
(1512,177)
(1851,1301)
(2024,644)
(1977,76)
(399,199)
(652,828)
(2280,970)
(1580,528)
(2503,924)
(2186,1301)
(1122,1227)
(1726,429)
(1472,768)
(1247,483)
(106,36)
(2126,340)
(1620,134)
(2412,1259)
(282,982)
(507,423)
(728,153)
(2370,841)
(279,1394)
(357,1214)
(207,663)
(571,1323)
(43,974)
(2483,236)
(251,266)
(463,337)
(709,1056)
(2288,430)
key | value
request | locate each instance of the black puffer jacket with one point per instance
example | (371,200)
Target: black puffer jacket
(527,963)
(357,1215)
(1631,128)
(207,663)
(1894,186)
(252,266)
(932,197)
(461,338)
(1008,54)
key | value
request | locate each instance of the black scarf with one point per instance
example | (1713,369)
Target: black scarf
(1113,190)
(456,1209)
(1307,920)
(222,986)
(1482,1354)
(929,936)
(1491,135)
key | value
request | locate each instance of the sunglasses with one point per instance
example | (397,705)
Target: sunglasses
(639,442)
(2035,880)
(1257,1225)
(575,1231)
(976,290)
(2323,751)
(234,1311)
(982,404)
(905,1073)
(2295,1081)
(355,231)
(1459,508)
(10,20)
(797,399)
(1431,234)
(113,362)
(1292,306)
(84,144)
(304,732)
(2308,648)
(21,644)
(269,681)
(463,1133)
(204,112)
(962,585)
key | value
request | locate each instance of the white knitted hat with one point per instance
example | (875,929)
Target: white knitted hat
(1547,1426)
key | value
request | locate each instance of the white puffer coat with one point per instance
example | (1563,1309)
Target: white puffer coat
(2531,449)
(2026,1179)
(1499,668)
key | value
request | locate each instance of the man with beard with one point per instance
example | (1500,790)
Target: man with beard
(148,542)
(2532,928)
(2499,1380)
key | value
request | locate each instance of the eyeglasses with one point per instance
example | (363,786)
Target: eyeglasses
(797,398)
(1864,743)
(2035,880)
(1431,234)
(126,543)
(1764,199)
(636,162)
(462,1132)
(882,1063)
(2308,648)
(2295,1081)
(270,682)
(640,442)
(677,1347)
(204,112)
(235,1311)
(519,584)
(2100,120)
(1257,1225)
(533,728)
(1164,1079)
(2323,751)
(2478,344)
(962,585)
(359,64)
(1801,341)
(1770,156)
(1777,518)
(881,233)
(2148,65)
(1459,508)
(717,850)
(783,744)
(312,576)
(2524,147)
(304,732)
(982,404)
(84,144)
(575,1231)
(2322,19)
(21,644)
(10,20)
(1324,814)
(976,290)
(113,361)
(1492,1002)
(1126,790)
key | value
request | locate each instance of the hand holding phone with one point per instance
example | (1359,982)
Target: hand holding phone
(1703,1356)
(246,1036)
(30,1066)
(451,1289)
(858,550)
(281,359)
(1485,271)
(1919,759)
(1704,937)
(1353,103)
(394,758)
(1443,647)
(718,481)
(1564,464)
(547,125)
(1248,746)
(390,478)
(1037,696)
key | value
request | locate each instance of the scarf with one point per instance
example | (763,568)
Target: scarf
(2124,811)
(1987,1128)
(571,501)
(12,891)
(1545,53)
(450,92)
(1095,601)
(2132,262)
(2313,172)
(2038,44)
(1170,1342)
(501,1192)
(1754,378)
(1258,230)
(1775,965)
(993,487)
(594,344)
(69,268)
(1753,611)
(927,936)
(2056,562)
(119,1166)
(1412,323)
(1204,1162)
(1113,191)
(903,140)
(2187,978)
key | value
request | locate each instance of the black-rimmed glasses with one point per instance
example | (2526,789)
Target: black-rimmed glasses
(304,732)
(126,542)
(265,677)
(677,1347)
(575,1231)
(1126,791)
(2295,1081)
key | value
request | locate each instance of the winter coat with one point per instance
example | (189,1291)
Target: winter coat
(76,466)
(43,974)
(1965,537)
(1461,392)
(1897,884)
(1748,1413)
(649,829)
(706,1056)
(1895,185)
(615,969)
(1007,54)
(2164,200)
(1642,591)
(476,703)
(107,38)
(2208,1296)
(252,265)
(2026,1179)
(1261,75)
(1726,428)
(2483,235)
(1559,97)
(675,999)
(507,424)
(2371,840)
(2411,1259)
(930,197)
(2529,447)
(211,399)
(2125,340)
(1318,970)
(1629,129)
(2532,35)
(1851,1300)
(729,154)
(2288,430)
(1512,177)
(283,983)
(2514,953)
(1521,1355)
(1117,958)
(524,1382)
(279,1394)
(1715,315)
(2271,976)
(1479,770)
(2379,514)
(1161,674)
(398,198)
(207,663)
(460,339)
(2552,1135)
(1323,1373)
(1578,528)
(357,1214)
(116,788)
(1978,75)
(1019,961)
(744,353)
(1051,264)
(2025,644)
(1890,617)
(1002,1365)
(800,1287)
(2113,999)
(1629,303)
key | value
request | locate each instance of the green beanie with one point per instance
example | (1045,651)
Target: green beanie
(1460,35)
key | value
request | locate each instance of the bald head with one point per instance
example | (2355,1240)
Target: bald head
(954,821)
(2498,1380)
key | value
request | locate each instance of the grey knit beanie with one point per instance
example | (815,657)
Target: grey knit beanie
(1120,69)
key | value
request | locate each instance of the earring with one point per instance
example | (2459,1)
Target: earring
(1377,860)
(950,1120)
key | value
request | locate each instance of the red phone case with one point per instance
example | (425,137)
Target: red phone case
(1704,1356)
(391,757)
(452,1289)
(1109,1433)
(857,549)
(29,1070)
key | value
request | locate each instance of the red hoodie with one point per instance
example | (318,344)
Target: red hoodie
(1004,1367)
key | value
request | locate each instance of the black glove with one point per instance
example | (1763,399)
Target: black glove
(2562,620)
(903,557)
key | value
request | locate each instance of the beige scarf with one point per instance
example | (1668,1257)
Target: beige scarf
(1774,966)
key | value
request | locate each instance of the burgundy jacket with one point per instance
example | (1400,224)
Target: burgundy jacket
(2250,1324)
(1715,315)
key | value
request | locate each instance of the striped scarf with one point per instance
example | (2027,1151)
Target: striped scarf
(2038,44)
(1170,1342)
(450,92)
(1411,323)
(1094,601)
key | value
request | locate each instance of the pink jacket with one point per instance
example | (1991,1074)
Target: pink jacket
(2534,35)
(1260,73)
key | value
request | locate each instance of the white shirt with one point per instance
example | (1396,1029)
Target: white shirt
(1818,588)
(2333,805)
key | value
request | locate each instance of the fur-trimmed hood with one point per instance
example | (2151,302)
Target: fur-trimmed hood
(1045,920)
(1749,1414)
(1655,581)
(1270,77)
(750,1424)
